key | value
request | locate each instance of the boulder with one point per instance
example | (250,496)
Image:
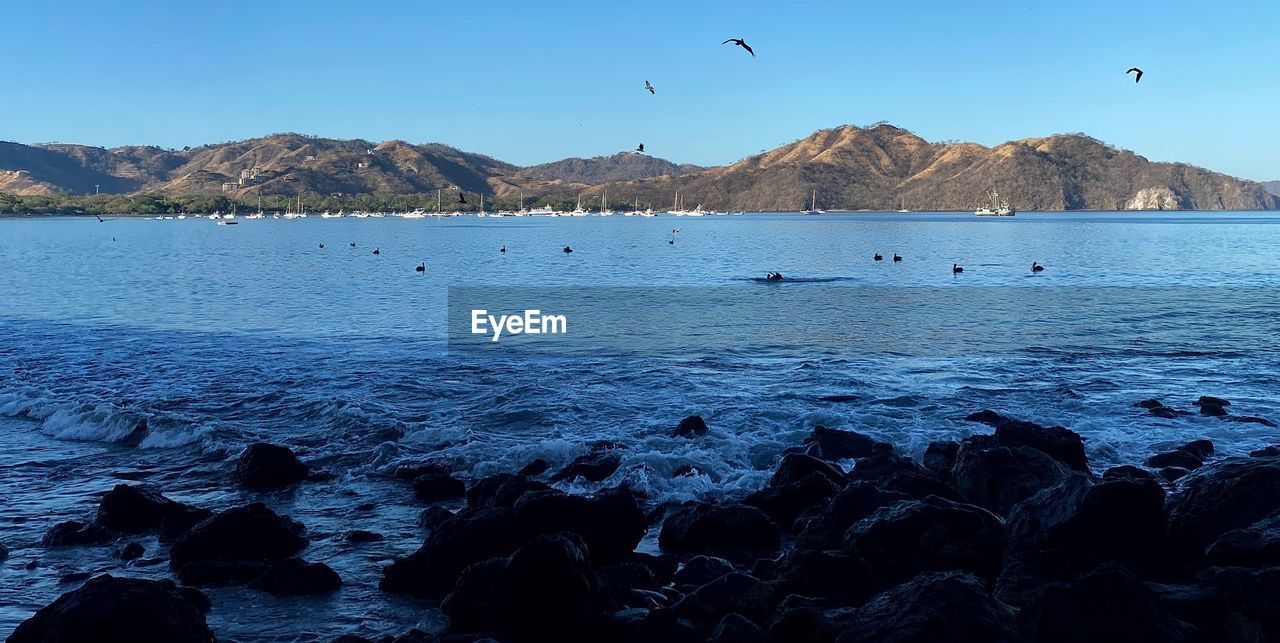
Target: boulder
(1061,443)
(362,536)
(736,628)
(835,444)
(212,573)
(1213,410)
(1252,419)
(1251,596)
(699,528)
(784,503)
(998,478)
(1272,451)
(132,551)
(825,529)
(119,609)
(592,467)
(432,517)
(264,466)
(610,523)
(733,593)
(701,570)
(1150,403)
(297,577)
(1257,545)
(434,487)
(797,466)
(535,468)
(501,490)
(410,470)
(1179,458)
(691,427)
(940,457)
(73,532)
(800,618)
(138,508)
(1211,401)
(1228,494)
(1109,605)
(833,575)
(470,536)
(248,533)
(945,606)
(908,537)
(1128,472)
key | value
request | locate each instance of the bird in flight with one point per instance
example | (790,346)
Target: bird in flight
(640,150)
(462,198)
(741,43)
(648,87)
(101,220)
(1135,78)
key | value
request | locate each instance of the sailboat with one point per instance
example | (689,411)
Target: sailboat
(578,211)
(813,207)
(604,204)
(904,205)
(677,207)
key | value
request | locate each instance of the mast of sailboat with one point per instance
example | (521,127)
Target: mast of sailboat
(604,202)
(437,200)
(259,201)
(814,205)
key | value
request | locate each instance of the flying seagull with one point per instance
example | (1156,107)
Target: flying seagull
(648,87)
(101,220)
(1135,78)
(462,198)
(741,43)
(640,150)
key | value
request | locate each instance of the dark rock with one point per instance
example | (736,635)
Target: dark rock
(297,577)
(1272,451)
(947,606)
(800,618)
(433,517)
(826,529)
(611,523)
(132,551)
(878,467)
(269,466)
(210,573)
(1061,443)
(543,592)
(1151,403)
(844,445)
(1103,606)
(736,628)
(1257,545)
(362,536)
(1200,605)
(1212,410)
(1077,525)
(1209,400)
(691,427)
(407,472)
(701,570)
(797,466)
(940,457)
(4,553)
(1251,596)
(784,503)
(908,537)
(74,532)
(833,575)
(470,536)
(1173,474)
(1166,412)
(434,487)
(534,468)
(700,527)
(248,533)
(74,577)
(1127,472)
(501,490)
(1229,494)
(838,398)
(136,508)
(1200,448)
(732,593)
(592,467)
(118,609)
(918,485)
(1001,477)
(1180,458)
(1252,419)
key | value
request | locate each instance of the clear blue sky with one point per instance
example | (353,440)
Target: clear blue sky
(530,82)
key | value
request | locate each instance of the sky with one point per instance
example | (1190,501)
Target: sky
(531,82)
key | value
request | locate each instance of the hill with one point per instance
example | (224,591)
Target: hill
(624,166)
(1272,187)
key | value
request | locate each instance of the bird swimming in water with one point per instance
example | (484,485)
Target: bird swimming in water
(896,257)
(773,276)
(741,43)
(567,249)
(955,268)
(1035,267)
(648,87)
(1137,78)
(422,267)
(377,251)
(878,257)
(503,249)
(671,241)
(353,244)
(322,246)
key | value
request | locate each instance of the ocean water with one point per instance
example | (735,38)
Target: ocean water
(143,350)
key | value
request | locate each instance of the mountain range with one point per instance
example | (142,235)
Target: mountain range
(880,167)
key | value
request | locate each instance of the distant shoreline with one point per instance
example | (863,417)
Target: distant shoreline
(316,215)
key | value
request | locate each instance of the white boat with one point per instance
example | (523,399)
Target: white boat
(677,208)
(578,211)
(604,204)
(904,205)
(415,214)
(813,206)
(544,211)
(996,207)
(696,212)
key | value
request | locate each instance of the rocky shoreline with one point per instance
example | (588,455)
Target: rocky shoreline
(1005,536)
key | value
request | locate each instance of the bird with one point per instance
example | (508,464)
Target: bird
(503,249)
(353,244)
(567,249)
(955,269)
(640,150)
(377,251)
(741,43)
(1035,267)
(878,257)
(422,267)
(462,198)
(101,220)
(773,276)
(322,246)
(896,257)
(671,241)
(1135,78)
(648,87)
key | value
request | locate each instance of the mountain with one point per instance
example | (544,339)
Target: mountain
(878,167)
(1272,187)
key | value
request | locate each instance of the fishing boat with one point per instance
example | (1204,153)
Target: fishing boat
(996,207)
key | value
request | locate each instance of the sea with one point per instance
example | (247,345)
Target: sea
(143,350)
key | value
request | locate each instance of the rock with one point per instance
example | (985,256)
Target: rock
(434,487)
(998,478)
(732,593)
(74,577)
(1228,494)
(1257,545)
(1061,443)
(1173,474)
(610,523)
(433,517)
(362,536)
(844,445)
(1200,448)
(501,490)
(543,592)
(118,609)
(132,551)
(946,606)
(826,529)
(784,503)
(265,466)
(701,570)
(800,618)
(1077,525)
(534,468)
(4,553)
(470,536)
(1159,197)
(592,467)
(408,471)
(297,577)
(1213,410)
(878,467)
(691,427)
(211,573)
(1107,605)
(833,575)
(940,457)
(735,628)
(1127,472)
(838,398)
(74,532)
(1272,451)
(138,508)
(1175,458)
(1151,403)
(1167,413)
(1251,596)
(797,466)
(248,533)
(1209,400)
(908,537)
(699,527)
(1252,419)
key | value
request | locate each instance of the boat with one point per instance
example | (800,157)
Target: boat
(904,205)
(224,222)
(578,211)
(813,206)
(677,208)
(604,205)
(996,207)
(544,211)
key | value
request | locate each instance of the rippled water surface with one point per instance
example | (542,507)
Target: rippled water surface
(155,350)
